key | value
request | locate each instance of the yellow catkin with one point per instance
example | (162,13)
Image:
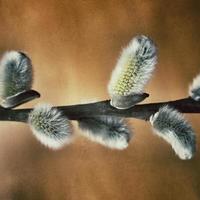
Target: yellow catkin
(125,81)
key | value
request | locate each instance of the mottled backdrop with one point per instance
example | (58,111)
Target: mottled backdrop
(74,46)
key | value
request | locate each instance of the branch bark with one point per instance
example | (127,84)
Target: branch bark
(75,112)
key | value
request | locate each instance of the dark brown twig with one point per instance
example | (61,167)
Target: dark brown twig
(75,112)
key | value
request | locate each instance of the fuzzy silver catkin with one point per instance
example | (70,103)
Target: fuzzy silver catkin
(170,125)
(109,131)
(133,70)
(194,88)
(50,126)
(16,74)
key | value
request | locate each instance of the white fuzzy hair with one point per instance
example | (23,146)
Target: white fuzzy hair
(109,131)
(194,88)
(140,67)
(50,126)
(15,73)
(170,125)
(119,143)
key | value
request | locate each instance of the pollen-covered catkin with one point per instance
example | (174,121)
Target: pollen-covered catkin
(133,70)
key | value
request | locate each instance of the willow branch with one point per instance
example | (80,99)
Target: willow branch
(75,112)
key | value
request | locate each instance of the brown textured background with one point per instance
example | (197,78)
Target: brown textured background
(74,46)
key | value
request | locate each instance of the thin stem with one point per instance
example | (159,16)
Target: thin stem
(75,112)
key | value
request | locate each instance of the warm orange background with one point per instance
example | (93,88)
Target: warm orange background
(74,46)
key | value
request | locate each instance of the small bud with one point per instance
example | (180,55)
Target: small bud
(132,72)
(170,125)
(109,131)
(15,74)
(50,126)
(194,89)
